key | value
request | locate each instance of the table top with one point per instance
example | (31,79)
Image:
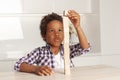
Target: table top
(98,72)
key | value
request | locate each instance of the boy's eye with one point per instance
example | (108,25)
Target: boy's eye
(51,30)
(60,30)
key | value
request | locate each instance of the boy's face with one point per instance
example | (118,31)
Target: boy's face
(54,33)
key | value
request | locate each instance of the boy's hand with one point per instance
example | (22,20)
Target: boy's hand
(43,70)
(74,18)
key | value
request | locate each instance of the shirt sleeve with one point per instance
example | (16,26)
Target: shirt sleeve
(30,58)
(77,50)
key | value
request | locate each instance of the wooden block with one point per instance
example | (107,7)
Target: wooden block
(65,13)
(66,46)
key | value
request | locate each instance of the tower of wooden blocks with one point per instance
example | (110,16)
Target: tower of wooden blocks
(66,44)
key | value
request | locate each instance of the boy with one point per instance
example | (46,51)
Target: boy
(42,60)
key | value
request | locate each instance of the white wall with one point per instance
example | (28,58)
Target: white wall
(29,14)
(110,34)
(7,65)
(100,21)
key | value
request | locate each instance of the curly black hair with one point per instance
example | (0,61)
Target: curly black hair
(46,20)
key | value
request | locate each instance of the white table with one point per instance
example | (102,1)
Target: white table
(99,72)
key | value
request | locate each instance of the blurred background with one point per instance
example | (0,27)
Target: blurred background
(19,29)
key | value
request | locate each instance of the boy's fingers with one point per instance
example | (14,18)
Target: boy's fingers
(48,69)
(40,73)
(44,72)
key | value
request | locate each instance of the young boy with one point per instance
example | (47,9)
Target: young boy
(42,60)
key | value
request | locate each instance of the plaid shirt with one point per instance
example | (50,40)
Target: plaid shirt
(43,56)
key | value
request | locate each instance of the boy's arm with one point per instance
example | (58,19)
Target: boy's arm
(75,19)
(26,64)
(82,38)
(39,70)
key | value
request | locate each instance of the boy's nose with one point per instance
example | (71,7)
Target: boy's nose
(56,33)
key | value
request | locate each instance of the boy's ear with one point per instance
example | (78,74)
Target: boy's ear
(43,36)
